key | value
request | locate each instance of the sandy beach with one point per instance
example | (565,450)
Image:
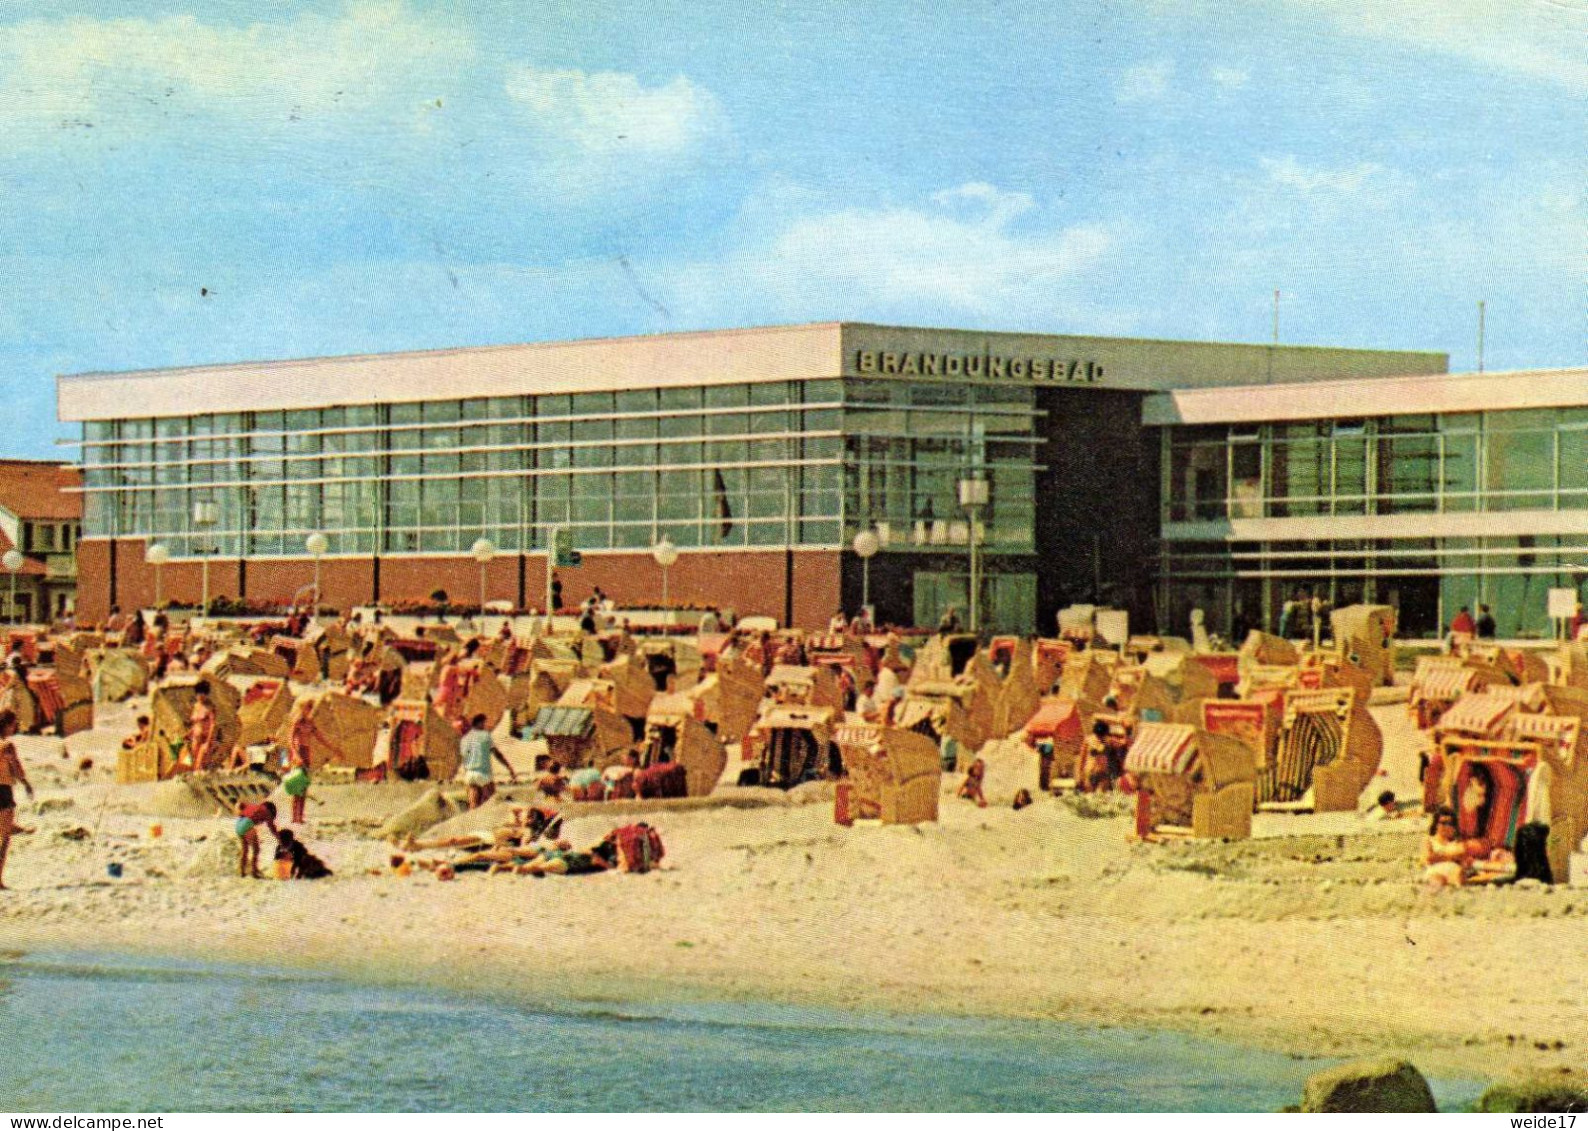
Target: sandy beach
(1314,938)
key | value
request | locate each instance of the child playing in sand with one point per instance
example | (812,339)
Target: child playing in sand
(971,788)
(249,817)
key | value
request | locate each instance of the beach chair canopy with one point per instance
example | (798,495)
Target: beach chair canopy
(1162,748)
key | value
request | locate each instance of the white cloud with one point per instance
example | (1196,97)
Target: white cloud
(962,257)
(1540,38)
(998,206)
(606,112)
(1146,82)
(1231,78)
(1290,173)
(135,76)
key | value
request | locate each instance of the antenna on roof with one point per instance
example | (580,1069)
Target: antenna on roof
(1480,335)
(1276,338)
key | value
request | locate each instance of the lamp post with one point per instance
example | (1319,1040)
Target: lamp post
(972,497)
(204,520)
(866,545)
(13,561)
(316,544)
(483,550)
(665,554)
(157,555)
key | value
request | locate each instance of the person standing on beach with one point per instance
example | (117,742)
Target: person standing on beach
(201,727)
(11,775)
(478,774)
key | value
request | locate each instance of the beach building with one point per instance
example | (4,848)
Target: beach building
(1087,467)
(1424,492)
(40,518)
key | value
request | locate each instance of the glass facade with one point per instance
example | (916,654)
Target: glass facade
(804,463)
(1456,463)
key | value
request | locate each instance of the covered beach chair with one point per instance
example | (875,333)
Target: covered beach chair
(1191,783)
(892,776)
(1437,682)
(632,683)
(1017,695)
(116,674)
(581,729)
(731,698)
(1327,750)
(1486,782)
(804,685)
(1058,720)
(423,746)
(344,729)
(1365,635)
(265,705)
(675,735)
(171,708)
(792,744)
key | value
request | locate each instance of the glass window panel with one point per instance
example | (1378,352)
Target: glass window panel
(727,396)
(675,400)
(1520,469)
(769,393)
(1574,467)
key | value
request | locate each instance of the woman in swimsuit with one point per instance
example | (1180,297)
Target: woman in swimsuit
(11,775)
(1445,855)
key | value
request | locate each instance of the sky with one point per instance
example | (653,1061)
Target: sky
(184,184)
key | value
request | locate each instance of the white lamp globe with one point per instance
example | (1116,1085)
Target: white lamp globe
(483,550)
(157,554)
(13,560)
(316,544)
(665,553)
(867,543)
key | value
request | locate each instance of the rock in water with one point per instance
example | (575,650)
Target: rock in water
(1368,1086)
(1561,1090)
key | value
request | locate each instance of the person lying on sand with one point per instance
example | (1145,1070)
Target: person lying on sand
(470,840)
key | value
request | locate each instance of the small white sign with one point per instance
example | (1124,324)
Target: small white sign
(1562,603)
(1113,625)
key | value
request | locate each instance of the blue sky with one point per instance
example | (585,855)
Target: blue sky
(205,183)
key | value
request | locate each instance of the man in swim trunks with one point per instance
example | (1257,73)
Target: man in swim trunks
(11,775)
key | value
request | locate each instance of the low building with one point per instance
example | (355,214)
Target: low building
(41,510)
(1428,493)
(760,454)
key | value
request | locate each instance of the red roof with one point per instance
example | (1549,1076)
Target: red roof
(33,489)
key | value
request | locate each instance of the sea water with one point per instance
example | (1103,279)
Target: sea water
(100,1033)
